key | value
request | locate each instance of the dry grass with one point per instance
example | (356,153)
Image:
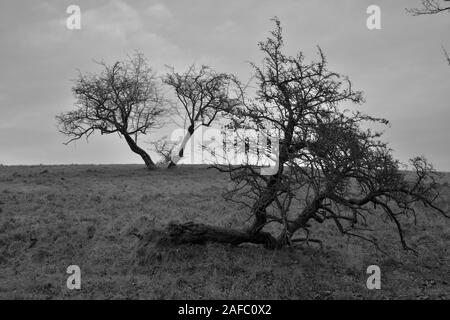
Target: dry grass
(55,216)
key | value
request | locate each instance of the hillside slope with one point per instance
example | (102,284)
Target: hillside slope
(55,216)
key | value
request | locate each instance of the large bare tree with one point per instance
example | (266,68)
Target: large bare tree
(331,166)
(124,98)
(203,94)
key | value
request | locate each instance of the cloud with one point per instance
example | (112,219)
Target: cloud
(158,12)
(107,32)
(116,20)
(226,27)
(112,21)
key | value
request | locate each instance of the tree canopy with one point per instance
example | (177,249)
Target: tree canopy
(124,98)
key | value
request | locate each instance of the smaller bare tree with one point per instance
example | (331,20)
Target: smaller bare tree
(124,98)
(164,148)
(203,94)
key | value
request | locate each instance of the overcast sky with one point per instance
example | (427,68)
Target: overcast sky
(400,68)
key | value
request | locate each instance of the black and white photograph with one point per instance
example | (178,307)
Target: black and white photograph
(240,152)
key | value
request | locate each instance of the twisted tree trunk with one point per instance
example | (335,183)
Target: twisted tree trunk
(188,135)
(136,149)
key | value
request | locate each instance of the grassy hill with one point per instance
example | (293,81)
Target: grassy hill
(55,216)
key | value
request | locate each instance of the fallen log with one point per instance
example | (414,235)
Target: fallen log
(198,233)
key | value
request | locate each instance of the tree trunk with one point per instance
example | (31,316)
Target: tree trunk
(197,233)
(183,145)
(259,210)
(136,149)
(269,194)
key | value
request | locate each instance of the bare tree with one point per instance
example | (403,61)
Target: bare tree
(433,7)
(330,167)
(203,94)
(164,148)
(124,98)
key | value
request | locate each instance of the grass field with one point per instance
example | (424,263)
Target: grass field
(55,216)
